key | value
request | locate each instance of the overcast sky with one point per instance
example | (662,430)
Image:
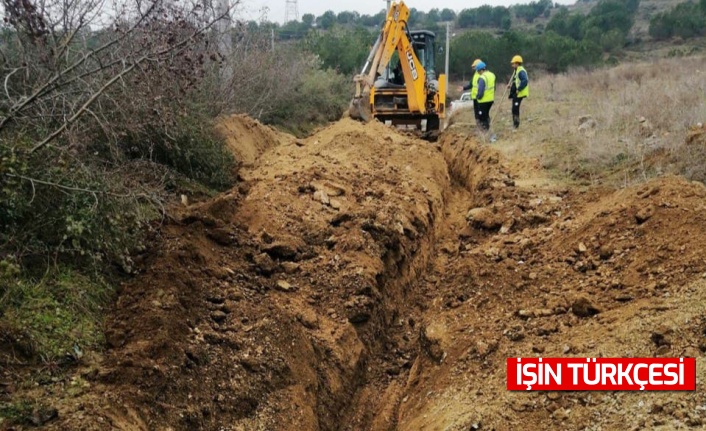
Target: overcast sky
(251,8)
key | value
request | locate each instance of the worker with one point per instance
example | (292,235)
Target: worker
(485,95)
(473,87)
(398,77)
(519,88)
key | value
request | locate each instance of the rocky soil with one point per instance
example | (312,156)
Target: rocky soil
(362,279)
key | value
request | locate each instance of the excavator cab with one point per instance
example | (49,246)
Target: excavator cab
(423,44)
(401,87)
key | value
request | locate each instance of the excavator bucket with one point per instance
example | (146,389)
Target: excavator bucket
(359,109)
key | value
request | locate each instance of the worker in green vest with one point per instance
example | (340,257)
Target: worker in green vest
(485,95)
(473,86)
(519,88)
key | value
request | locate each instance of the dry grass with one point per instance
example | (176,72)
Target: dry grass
(642,114)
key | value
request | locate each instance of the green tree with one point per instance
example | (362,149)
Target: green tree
(449,15)
(434,15)
(341,48)
(685,20)
(308,19)
(347,17)
(327,20)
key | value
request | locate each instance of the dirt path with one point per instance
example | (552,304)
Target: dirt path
(362,279)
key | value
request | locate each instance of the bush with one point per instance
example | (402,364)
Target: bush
(321,97)
(484,16)
(344,50)
(686,20)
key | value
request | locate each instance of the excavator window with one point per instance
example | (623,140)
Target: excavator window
(423,43)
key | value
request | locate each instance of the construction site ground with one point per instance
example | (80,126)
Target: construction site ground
(363,279)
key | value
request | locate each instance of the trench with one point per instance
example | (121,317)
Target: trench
(384,384)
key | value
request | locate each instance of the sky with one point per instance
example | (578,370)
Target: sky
(252,9)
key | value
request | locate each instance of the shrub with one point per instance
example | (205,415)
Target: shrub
(685,20)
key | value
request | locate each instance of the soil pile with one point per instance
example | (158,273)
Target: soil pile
(264,306)
(559,272)
(362,279)
(248,138)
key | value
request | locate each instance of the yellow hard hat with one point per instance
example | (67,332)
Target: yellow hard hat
(516,59)
(475,62)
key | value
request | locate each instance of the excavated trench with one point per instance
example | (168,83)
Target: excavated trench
(292,302)
(340,286)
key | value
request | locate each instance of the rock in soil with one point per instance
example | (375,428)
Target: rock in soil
(582,307)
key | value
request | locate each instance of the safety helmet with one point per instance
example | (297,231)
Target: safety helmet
(516,59)
(475,62)
(480,66)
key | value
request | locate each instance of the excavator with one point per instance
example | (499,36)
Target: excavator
(409,95)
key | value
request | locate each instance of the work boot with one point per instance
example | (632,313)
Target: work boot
(516,121)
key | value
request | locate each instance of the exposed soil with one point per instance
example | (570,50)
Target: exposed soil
(361,279)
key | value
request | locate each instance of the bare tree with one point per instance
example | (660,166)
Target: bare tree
(66,60)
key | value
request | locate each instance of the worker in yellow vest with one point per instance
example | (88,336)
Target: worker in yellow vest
(473,86)
(485,95)
(519,88)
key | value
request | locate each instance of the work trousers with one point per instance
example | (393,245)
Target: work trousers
(516,102)
(484,114)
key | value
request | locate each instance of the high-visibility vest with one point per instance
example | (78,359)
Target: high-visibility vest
(525,91)
(489,94)
(474,85)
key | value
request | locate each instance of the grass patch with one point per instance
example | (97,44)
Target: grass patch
(18,412)
(639,120)
(61,315)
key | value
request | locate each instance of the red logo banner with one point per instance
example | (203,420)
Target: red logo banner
(601,374)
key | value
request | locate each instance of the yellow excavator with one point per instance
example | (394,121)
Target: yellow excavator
(409,94)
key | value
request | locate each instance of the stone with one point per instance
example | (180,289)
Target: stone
(483,218)
(219,316)
(582,307)
(221,236)
(661,337)
(582,248)
(335,204)
(645,213)
(308,319)
(41,416)
(264,263)
(359,316)
(284,286)
(290,267)
(525,314)
(605,252)
(322,197)
(587,125)
(281,250)
(431,340)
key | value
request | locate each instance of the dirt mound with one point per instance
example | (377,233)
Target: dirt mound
(563,273)
(266,306)
(248,138)
(361,279)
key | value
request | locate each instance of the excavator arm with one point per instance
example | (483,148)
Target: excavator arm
(393,37)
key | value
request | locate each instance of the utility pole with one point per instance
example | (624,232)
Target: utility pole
(448,31)
(272,38)
(389,3)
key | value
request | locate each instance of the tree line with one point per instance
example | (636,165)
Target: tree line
(685,20)
(569,39)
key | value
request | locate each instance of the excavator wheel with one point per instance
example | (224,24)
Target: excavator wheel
(359,109)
